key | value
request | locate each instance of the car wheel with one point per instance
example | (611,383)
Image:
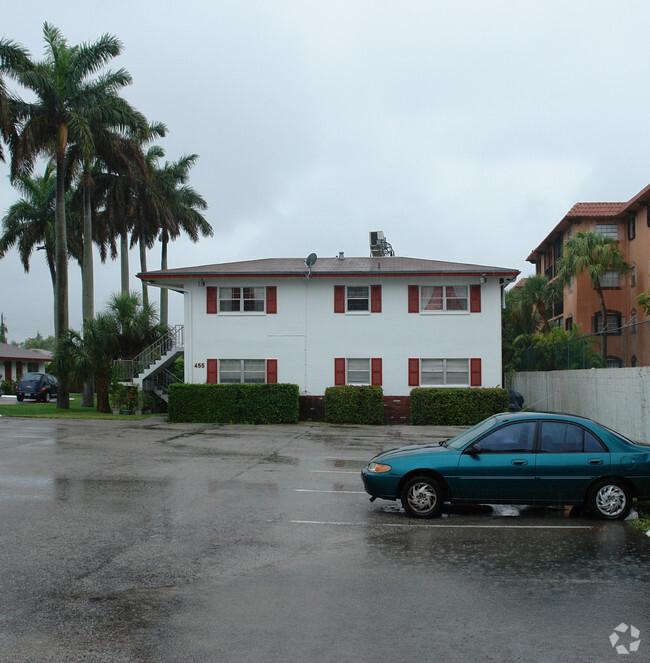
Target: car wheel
(422,497)
(609,499)
(19,398)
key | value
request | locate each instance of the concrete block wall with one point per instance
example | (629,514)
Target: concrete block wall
(618,397)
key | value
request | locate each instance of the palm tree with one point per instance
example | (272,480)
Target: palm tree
(596,255)
(29,223)
(178,209)
(90,353)
(69,106)
(540,294)
(11,56)
(121,331)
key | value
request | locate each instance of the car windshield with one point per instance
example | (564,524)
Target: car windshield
(31,377)
(626,439)
(463,438)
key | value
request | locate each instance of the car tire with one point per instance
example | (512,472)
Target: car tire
(19,398)
(422,497)
(609,499)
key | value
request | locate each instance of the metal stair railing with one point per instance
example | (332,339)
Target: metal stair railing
(160,382)
(127,369)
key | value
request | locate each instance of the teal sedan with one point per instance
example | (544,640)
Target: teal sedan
(517,458)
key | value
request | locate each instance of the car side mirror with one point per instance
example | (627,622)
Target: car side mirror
(475,449)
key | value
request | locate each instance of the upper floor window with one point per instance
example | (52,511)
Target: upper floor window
(609,280)
(357,298)
(241,299)
(633,275)
(443,298)
(608,230)
(238,299)
(613,322)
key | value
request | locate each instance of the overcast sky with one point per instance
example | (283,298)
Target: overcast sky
(463,129)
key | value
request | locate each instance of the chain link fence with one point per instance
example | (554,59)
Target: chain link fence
(621,347)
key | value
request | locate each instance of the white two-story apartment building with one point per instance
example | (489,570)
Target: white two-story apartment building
(390,321)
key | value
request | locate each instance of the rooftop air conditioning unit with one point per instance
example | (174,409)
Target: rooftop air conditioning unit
(379,247)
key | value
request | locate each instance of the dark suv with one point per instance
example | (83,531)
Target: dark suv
(40,386)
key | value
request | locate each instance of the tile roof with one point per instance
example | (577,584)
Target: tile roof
(16,353)
(596,209)
(387,266)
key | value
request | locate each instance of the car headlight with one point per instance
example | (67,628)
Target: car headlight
(378,468)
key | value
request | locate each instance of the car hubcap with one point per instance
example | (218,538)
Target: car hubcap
(610,500)
(422,497)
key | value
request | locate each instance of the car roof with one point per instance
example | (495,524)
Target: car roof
(559,416)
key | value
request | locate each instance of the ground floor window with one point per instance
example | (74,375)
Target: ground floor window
(358,371)
(437,372)
(248,371)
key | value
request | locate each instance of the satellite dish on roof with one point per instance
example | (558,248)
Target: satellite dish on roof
(309,261)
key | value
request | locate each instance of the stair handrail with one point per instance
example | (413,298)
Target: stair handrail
(127,369)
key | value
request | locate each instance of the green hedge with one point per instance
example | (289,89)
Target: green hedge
(234,403)
(456,407)
(354,405)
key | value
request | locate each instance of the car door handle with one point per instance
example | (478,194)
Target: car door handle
(595,461)
(519,462)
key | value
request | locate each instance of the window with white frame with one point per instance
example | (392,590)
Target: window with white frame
(248,371)
(242,299)
(358,298)
(609,280)
(438,372)
(357,371)
(608,230)
(443,298)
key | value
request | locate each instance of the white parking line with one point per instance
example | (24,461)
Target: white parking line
(433,525)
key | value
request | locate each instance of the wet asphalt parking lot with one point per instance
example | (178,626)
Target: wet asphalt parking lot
(157,542)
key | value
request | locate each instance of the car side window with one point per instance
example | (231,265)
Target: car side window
(561,437)
(514,438)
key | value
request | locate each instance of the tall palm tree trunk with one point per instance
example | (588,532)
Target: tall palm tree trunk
(143,268)
(61,260)
(164,295)
(87,287)
(124,261)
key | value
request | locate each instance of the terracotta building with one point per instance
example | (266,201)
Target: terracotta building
(629,224)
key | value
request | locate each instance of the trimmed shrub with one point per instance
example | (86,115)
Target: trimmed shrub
(234,403)
(456,407)
(354,405)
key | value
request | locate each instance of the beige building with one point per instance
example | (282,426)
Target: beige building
(629,224)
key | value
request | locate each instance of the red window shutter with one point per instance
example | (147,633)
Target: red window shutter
(376,377)
(414,299)
(339,299)
(271,299)
(271,371)
(213,372)
(414,372)
(339,371)
(212,299)
(375,299)
(475,298)
(475,372)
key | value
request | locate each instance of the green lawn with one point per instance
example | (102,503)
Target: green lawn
(50,410)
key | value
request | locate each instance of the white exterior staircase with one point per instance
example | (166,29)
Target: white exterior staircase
(149,369)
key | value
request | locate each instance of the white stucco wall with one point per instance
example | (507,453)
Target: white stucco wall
(616,397)
(305,335)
